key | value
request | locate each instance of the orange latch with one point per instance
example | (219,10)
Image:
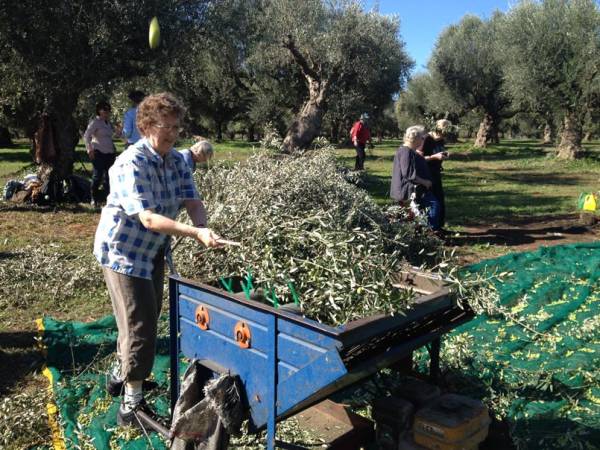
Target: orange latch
(202,317)
(242,334)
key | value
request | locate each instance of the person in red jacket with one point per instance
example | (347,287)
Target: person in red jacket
(360,135)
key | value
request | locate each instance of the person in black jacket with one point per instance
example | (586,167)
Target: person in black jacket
(411,178)
(434,152)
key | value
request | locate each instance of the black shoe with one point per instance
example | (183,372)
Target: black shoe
(138,416)
(114,385)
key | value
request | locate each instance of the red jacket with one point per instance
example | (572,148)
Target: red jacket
(361,132)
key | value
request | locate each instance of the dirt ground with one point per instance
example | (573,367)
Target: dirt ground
(476,242)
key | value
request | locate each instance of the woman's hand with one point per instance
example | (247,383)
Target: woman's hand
(208,238)
(90,152)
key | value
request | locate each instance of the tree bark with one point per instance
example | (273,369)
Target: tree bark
(548,135)
(488,131)
(334,132)
(5,138)
(251,133)
(64,138)
(219,126)
(306,125)
(570,138)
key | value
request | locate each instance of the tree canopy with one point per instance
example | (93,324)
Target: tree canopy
(339,50)
(551,53)
(466,62)
(52,51)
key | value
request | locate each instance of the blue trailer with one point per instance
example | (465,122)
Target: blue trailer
(287,362)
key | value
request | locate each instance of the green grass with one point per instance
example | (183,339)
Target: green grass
(511,179)
(15,162)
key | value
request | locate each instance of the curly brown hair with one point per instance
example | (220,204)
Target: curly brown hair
(154,108)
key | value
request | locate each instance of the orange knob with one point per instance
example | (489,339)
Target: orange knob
(242,334)
(202,317)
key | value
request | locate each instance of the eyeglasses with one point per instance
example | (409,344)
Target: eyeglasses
(175,128)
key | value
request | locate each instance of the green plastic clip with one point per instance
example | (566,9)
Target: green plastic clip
(246,288)
(272,297)
(249,279)
(294,293)
(227,285)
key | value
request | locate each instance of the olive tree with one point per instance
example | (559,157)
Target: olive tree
(209,70)
(423,101)
(331,44)
(52,51)
(552,62)
(465,60)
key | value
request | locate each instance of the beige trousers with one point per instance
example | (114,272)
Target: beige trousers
(136,304)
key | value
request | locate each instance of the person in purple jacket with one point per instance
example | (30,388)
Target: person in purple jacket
(411,178)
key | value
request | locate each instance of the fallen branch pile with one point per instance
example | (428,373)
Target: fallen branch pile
(302,224)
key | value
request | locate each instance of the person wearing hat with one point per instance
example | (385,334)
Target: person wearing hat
(434,152)
(130,133)
(360,134)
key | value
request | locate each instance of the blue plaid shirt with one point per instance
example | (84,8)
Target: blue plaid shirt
(140,179)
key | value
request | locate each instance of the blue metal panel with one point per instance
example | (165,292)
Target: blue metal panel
(284,371)
(223,322)
(321,372)
(292,361)
(209,298)
(306,331)
(252,366)
(297,348)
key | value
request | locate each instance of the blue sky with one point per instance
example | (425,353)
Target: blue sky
(422,21)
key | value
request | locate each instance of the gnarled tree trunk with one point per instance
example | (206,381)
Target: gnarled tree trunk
(219,130)
(62,136)
(251,134)
(488,131)
(570,138)
(548,134)
(307,123)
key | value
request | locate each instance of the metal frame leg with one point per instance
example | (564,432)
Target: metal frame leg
(271,421)
(174,343)
(434,356)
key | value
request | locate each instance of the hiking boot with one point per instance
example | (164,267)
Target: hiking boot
(115,388)
(133,418)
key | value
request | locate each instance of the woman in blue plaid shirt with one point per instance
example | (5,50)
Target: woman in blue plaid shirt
(149,183)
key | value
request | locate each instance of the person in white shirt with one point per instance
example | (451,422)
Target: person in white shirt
(99,144)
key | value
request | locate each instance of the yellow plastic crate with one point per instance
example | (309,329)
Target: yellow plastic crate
(451,422)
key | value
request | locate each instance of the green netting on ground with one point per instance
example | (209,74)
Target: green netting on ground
(539,368)
(79,355)
(538,362)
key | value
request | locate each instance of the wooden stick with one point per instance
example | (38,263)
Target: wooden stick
(227,242)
